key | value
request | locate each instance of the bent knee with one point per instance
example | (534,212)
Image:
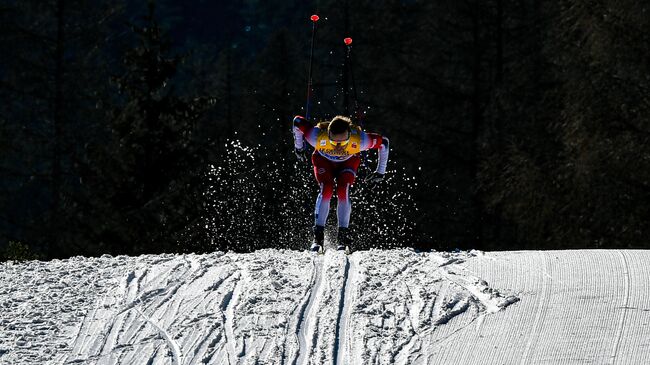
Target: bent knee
(346,176)
(342,191)
(326,190)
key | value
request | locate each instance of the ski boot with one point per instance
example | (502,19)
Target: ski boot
(343,239)
(319,240)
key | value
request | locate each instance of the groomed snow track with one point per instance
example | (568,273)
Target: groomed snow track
(286,307)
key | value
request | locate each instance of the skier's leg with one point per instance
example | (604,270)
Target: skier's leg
(325,179)
(343,209)
(344,205)
(319,239)
(344,181)
(323,203)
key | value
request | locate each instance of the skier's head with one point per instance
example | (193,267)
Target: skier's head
(339,130)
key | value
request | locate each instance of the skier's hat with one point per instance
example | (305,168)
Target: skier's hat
(336,129)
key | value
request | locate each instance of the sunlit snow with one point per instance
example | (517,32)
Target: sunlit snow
(290,307)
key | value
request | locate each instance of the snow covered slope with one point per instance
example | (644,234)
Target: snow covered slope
(285,307)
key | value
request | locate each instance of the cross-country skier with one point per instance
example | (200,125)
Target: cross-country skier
(337,145)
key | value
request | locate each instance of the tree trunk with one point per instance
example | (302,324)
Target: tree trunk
(229,91)
(58,121)
(476,125)
(499,43)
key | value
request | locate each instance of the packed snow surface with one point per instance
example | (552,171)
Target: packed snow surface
(371,307)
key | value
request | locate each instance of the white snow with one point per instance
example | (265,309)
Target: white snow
(371,307)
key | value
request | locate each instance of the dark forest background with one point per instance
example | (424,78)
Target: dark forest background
(130,127)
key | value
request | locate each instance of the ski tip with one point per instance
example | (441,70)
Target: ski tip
(317,250)
(314,18)
(345,249)
(347,41)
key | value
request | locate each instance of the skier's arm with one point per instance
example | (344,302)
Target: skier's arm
(381,144)
(383,156)
(303,130)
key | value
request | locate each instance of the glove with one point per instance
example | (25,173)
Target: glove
(374,178)
(301,154)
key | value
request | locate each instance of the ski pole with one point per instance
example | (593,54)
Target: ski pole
(314,18)
(348,43)
(346,79)
(348,68)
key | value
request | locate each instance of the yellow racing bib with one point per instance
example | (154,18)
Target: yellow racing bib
(323,144)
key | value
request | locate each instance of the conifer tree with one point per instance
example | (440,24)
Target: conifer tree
(147,176)
(52,64)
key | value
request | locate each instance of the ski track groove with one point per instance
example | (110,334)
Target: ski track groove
(169,300)
(341,344)
(524,272)
(172,306)
(210,338)
(304,326)
(86,322)
(535,330)
(107,338)
(410,351)
(434,305)
(212,303)
(201,273)
(134,328)
(153,296)
(229,315)
(640,300)
(91,337)
(404,349)
(624,308)
(173,345)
